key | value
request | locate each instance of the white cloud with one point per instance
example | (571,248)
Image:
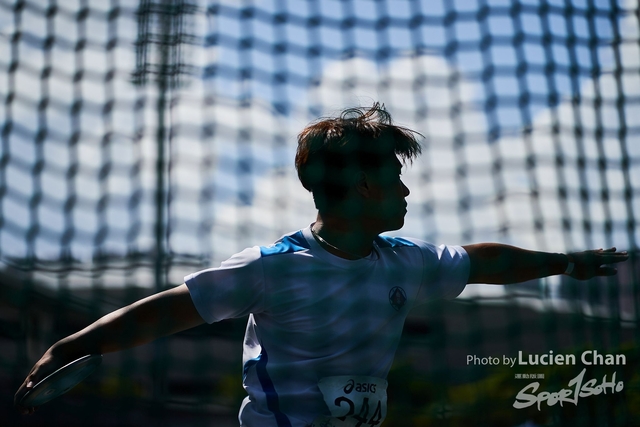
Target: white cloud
(419,91)
(593,149)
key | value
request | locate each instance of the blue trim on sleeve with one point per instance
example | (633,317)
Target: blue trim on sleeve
(393,242)
(288,244)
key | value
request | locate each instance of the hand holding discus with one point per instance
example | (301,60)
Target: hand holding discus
(72,359)
(45,382)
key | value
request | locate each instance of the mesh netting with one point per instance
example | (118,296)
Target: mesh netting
(142,141)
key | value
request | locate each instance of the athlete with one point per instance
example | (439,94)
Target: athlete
(326,304)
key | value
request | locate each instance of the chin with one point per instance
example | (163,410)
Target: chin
(395,225)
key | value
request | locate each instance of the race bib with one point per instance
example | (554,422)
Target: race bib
(353,401)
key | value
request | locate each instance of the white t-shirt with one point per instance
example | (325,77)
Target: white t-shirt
(314,315)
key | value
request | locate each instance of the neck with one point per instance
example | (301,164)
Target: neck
(343,238)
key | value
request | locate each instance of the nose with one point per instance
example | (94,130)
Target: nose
(405,189)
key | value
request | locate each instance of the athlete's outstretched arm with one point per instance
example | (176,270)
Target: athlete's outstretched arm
(495,263)
(156,316)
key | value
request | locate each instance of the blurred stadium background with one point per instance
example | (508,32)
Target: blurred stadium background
(144,140)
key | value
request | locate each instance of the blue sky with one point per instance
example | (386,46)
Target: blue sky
(381,31)
(232,178)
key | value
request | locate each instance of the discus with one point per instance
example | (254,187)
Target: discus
(61,381)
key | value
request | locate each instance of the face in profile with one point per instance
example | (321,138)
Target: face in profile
(386,205)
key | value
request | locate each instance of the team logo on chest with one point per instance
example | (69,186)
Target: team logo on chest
(397,297)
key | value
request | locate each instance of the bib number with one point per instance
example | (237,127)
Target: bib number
(353,401)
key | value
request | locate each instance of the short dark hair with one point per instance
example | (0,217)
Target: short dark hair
(358,139)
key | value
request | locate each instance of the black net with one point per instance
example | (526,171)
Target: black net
(143,141)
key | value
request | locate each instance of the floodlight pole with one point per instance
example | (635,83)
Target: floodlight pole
(168,23)
(160,349)
(163,86)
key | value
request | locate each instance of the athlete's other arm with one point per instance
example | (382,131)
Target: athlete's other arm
(156,316)
(495,263)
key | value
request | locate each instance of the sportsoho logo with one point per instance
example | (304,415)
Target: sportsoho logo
(577,387)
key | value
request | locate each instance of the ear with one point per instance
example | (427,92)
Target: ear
(363,186)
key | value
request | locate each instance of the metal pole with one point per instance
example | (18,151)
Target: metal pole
(160,346)
(165,34)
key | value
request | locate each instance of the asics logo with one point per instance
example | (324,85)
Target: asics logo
(359,387)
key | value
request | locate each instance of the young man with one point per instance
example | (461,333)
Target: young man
(327,303)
